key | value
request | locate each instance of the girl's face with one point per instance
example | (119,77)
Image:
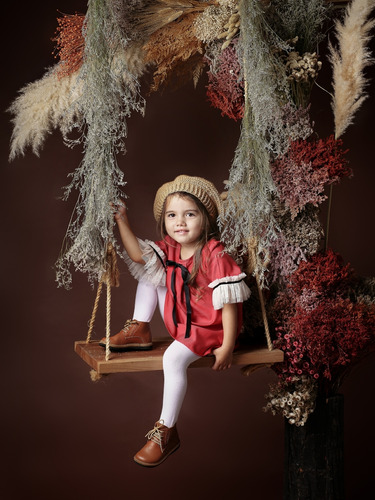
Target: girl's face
(183,221)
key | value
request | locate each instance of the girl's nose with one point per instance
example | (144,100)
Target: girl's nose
(180,221)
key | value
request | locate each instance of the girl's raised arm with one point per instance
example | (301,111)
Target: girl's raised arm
(128,238)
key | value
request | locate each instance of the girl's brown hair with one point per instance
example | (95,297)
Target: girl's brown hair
(210,231)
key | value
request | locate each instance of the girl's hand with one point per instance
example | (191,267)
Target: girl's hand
(119,211)
(223,359)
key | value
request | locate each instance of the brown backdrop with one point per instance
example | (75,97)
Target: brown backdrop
(66,437)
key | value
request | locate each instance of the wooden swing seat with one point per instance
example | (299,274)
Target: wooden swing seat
(139,361)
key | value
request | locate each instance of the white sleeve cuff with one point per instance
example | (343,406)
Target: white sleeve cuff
(229,290)
(153,271)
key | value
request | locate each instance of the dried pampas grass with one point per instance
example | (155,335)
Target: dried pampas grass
(41,107)
(348,62)
(163,12)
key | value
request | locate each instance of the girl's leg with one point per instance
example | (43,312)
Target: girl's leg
(176,360)
(163,439)
(146,299)
(161,291)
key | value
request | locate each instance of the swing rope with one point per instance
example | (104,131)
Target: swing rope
(252,241)
(252,244)
(111,278)
(94,311)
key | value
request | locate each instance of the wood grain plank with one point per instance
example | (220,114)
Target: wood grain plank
(94,355)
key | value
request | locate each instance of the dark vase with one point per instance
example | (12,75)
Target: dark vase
(314,453)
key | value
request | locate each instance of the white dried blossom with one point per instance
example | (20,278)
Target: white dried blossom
(302,68)
(300,396)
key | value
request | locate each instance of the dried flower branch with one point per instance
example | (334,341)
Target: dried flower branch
(301,20)
(308,166)
(321,329)
(294,400)
(225,89)
(105,103)
(70,43)
(250,183)
(174,48)
(302,68)
(160,13)
(348,62)
(217,22)
(126,14)
(297,239)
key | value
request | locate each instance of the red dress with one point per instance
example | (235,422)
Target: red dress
(193,315)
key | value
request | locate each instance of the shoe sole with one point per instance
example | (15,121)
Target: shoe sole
(131,347)
(145,464)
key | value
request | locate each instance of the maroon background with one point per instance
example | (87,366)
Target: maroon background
(66,437)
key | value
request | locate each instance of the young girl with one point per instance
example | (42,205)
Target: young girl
(200,290)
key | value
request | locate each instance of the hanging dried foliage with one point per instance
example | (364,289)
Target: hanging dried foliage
(174,48)
(126,15)
(250,187)
(299,20)
(105,103)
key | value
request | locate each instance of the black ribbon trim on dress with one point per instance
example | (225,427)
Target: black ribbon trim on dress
(226,283)
(185,278)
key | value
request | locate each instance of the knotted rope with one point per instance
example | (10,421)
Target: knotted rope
(111,278)
(251,268)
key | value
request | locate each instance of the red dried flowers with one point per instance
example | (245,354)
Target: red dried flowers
(320,328)
(70,43)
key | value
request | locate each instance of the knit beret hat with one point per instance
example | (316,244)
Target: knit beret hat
(202,189)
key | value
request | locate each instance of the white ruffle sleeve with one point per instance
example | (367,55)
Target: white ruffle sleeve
(229,290)
(153,271)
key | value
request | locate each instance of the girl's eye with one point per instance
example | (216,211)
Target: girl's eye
(170,216)
(190,214)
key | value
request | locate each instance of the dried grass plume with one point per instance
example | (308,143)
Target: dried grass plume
(41,107)
(348,62)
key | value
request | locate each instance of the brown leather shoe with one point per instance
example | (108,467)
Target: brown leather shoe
(162,442)
(135,336)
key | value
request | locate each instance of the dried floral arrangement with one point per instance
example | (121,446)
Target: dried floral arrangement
(261,60)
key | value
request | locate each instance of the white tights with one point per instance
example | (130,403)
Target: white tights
(176,358)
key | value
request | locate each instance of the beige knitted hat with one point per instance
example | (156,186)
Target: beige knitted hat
(202,189)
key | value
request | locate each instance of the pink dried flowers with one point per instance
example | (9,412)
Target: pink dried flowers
(308,166)
(225,89)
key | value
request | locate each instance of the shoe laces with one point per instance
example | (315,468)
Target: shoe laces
(156,434)
(128,324)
